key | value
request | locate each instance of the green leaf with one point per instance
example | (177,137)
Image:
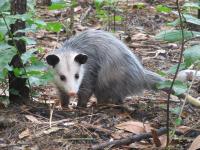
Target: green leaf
(172,69)
(3,28)
(58,6)
(28,29)
(4,5)
(28,40)
(175,110)
(8,67)
(192,5)
(40,77)
(98,3)
(54,26)
(34,81)
(22,17)
(161,73)
(74,3)
(2,77)
(178,121)
(41,50)
(192,54)
(6,54)
(4,71)
(27,55)
(186,18)
(191,19)
(163,9)
(139,5)
(1,37)
(18,72)
(31,5)
(174,23)
(118,18)
(37,22)
(176,35)
(179,87)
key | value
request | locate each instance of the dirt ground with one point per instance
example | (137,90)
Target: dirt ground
(28,126)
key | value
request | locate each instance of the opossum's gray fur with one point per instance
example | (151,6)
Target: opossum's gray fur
(112,71)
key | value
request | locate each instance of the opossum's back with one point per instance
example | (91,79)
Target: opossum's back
(98,42)
(104,48)
(119,68)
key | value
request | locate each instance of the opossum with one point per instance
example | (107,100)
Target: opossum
(96,62)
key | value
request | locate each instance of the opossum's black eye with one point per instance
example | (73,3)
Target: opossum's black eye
(76,76)
(62,77)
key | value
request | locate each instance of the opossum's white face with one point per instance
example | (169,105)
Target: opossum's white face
(69,70)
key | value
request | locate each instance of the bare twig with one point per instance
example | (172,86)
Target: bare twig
(51,114)
(177,69)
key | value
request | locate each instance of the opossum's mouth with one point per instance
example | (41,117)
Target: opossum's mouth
(72,94)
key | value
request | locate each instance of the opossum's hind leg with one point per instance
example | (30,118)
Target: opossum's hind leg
(103,97)
(116,101)
(64,98)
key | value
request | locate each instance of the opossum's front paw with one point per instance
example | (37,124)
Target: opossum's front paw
(73,102)
(64,103)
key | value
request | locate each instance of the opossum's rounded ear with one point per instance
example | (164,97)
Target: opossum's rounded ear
(81,58)
(52,60)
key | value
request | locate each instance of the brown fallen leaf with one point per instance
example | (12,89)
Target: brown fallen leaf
(195,144)
(163,140)
(146,145)
(119,134)
(183,129)
(24,134)
(134,127)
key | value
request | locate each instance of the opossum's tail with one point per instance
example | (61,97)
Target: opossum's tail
(152,79)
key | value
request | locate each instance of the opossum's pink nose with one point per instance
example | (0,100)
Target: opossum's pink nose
(71,94)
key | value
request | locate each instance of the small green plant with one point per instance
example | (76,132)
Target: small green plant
(35,70)
(106,11)
(191,54)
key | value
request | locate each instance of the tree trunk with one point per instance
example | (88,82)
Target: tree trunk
(18,91)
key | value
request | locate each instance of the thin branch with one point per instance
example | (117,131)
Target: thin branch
(128,140)
(177,69)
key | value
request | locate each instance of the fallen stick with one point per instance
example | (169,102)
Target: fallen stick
(96,128)
(129,140)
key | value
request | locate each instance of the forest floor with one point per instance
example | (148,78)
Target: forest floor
(28,126)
